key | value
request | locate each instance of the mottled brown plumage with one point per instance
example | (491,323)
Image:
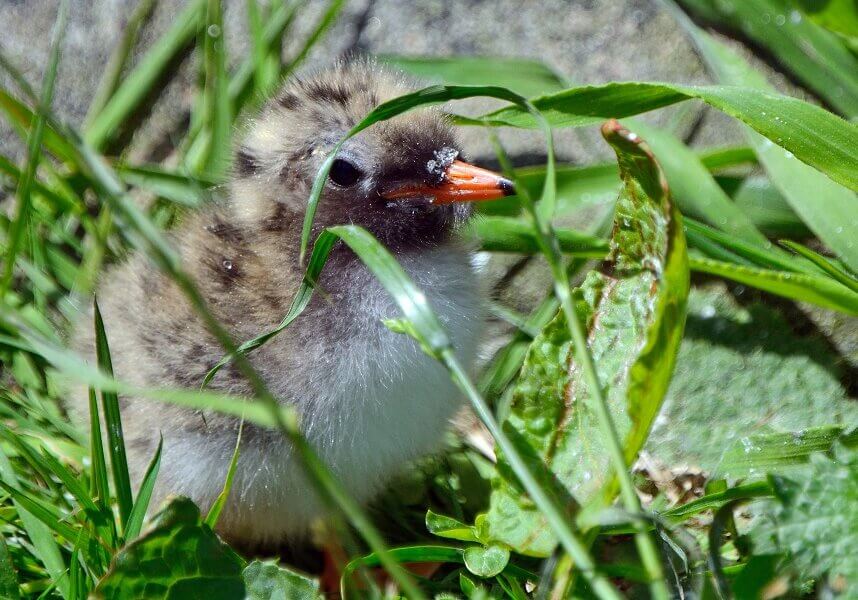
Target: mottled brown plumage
(369,399)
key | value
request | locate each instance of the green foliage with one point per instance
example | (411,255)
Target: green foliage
(814,522)
(742,372)
(179,556)
(634,317)
(269,581)
(754,400)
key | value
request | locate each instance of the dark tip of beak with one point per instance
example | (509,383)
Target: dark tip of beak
(506,186)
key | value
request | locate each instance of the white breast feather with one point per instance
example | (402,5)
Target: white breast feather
(377,402)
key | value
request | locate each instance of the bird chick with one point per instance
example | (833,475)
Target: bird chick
(369,400)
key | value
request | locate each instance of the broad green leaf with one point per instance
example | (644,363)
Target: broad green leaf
(830,210)
(525,77)
(743,372)
(757,573)
(269,581)
(814,55)
(448,527)
(634,318)
(177,557)
(486,561)
(814,135)
(694,189)
(837,15)
(815,521)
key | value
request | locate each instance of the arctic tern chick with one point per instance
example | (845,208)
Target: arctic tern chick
(368,398)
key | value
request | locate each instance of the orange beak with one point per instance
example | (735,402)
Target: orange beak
(462,183)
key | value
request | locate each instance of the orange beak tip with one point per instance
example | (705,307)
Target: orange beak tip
(462,183)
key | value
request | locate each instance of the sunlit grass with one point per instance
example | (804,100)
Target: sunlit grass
(68,508)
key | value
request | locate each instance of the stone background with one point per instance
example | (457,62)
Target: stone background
(587,41)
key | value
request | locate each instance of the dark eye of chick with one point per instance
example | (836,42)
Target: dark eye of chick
(344,174)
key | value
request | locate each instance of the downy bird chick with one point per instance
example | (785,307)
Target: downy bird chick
(368,398)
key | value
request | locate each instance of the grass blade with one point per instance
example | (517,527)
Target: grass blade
(815,136)
(819,290)
(525,77)
(214,512)
(827,208)
(8,578)
(217,118)
(144,496)
(826,264)
(34,149)
(118,59)
(134,89)
(814,55)
(46,548)
(113,424)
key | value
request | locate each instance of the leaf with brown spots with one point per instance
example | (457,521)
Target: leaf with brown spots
(635,314)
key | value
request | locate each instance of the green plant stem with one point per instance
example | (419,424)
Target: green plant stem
(550,248)
(546,502)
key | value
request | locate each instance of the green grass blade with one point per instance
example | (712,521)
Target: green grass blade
(113,425)
(8,578)
(217,120)
(840,16)
(814,135)
(504,234)
(99,487)
(525,77)
(21,118)
(34,149)
(214,512)
(827,208)
(826,264)
(760,256)
(118,59)
(327,19)
(46,548)
(266,56)
(42,511)
(814,55)
(181,189)
(144,496)
(770,453)
(819,290)
(134,89)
